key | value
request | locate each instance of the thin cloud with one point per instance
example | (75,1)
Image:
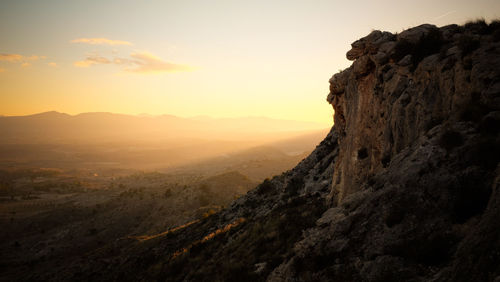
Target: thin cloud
(52,64)
(2,70)
(36,58)
(122,61)
(11,57)
(139,62)
(444,15)
(100,41)
(92,60)
(149,63)
(14,58)
(23,61)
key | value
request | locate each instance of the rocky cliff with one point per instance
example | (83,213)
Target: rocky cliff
(404,188)
(415,184)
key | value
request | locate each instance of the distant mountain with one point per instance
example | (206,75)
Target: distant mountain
(98,127)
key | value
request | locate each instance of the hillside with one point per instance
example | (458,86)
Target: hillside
(405,187)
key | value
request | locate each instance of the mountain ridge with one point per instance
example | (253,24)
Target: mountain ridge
(53,126)
(145,115)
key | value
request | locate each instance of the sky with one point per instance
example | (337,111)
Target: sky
(194,58)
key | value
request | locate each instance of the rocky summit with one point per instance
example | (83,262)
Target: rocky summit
(405,187)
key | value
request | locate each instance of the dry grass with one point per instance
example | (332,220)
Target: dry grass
(143,238)
(209,236)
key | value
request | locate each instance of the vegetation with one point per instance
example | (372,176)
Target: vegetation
(254,247)
(451,139)
(478,26)
(89,213)
(467,44)
(428,44)
(265,187)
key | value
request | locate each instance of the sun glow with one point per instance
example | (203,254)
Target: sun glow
(220,59)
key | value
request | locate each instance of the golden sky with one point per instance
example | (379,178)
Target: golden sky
(190,58)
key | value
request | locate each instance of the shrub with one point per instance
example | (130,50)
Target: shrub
(402,48)
(265,187)
(92,231)
(485,154)
(489,126)
(471,195)
(168,193)
(428,44)
(474,109)
(467,44)
(203,200)
(477,26)
(294,186)
(496,36)
(450,139)
(467,64)
(494,28)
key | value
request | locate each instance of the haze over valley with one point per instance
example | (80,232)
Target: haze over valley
(93,178)
(106,140)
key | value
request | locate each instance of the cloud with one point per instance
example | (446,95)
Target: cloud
(100,41)
(444,15)
(24,61)
(52,64)
(139,62)
(11,57)
(36,58)
(122,61)
(149,63)
(2,70)
(92,60)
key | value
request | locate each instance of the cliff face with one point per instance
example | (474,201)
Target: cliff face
(404,188)
(401,87)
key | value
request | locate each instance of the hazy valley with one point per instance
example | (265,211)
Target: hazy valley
(69,189)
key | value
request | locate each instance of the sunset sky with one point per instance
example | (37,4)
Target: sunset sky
(190,58)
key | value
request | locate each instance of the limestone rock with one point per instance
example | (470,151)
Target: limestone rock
(369,44)
(413,35)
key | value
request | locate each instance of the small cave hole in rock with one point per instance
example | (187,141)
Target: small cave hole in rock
(362,153)
(386,160)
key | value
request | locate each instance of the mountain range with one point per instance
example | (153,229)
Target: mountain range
(100,127)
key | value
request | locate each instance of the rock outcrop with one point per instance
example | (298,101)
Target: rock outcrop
(400,87)
(404,188)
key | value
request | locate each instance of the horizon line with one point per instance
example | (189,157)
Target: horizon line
(162,115)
